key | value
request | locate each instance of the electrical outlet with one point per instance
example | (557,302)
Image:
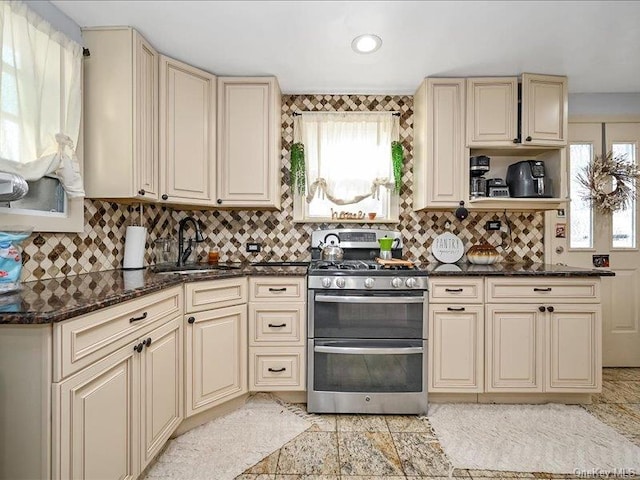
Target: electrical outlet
(494,225)
(253,247)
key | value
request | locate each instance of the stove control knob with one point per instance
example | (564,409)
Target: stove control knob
(368,282)
(326,282)
(396,282)
(340,282)
(411,283)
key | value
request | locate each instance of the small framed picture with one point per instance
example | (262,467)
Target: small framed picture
(601,261)
(560,213)
(561,230)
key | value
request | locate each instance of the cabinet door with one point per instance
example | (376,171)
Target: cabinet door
(187,133)
(145,126)
(439,143)
(574,343)
(249,142)
(216,342)
(96,416)
(514,336)
(456,353)
(162,388)
(544,110)
(492,111)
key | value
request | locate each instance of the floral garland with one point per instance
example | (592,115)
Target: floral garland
(598,176)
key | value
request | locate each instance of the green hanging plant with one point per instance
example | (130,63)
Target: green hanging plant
(397,159)
(298,178)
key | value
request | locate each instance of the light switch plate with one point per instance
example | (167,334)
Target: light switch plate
(493,225)
(253,247)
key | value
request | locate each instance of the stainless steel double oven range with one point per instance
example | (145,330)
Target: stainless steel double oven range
(367,328)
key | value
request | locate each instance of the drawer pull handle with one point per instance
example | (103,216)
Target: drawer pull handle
(277,370)
(191,319)
(453,290)
(271,325)
(453,309)
(548,289)
(137,319)
(283,289)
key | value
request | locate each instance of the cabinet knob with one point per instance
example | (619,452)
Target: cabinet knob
(191,319)
(141,192)
(138,348)
(219,201)
(165,196)
(516,140)
(147,342)
(550,309)
(541,308)
(528,139)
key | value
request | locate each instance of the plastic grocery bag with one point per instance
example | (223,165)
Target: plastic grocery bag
(11,257)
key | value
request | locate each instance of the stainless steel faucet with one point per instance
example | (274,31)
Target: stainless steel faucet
(183,254)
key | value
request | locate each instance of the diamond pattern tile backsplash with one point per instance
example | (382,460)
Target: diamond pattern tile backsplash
(101,245)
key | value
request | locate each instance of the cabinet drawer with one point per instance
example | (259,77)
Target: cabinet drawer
(89,338)
(457,290)
(276,368)
(543,289)
(277,323)
(211,294)
(277,289)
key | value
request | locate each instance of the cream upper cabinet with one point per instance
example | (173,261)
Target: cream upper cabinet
(120,115)
(187,106)
(492,111)
(544,110)
(439,154)
(249,142)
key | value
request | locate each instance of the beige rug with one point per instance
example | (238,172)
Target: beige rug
(531,438)
(225,447)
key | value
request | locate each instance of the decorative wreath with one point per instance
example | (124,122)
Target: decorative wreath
(605,173)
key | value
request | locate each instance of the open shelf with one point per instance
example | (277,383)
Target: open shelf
(517,203)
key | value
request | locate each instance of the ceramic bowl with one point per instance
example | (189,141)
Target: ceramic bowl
(483,254)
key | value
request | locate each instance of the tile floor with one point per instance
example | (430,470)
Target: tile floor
(376,447)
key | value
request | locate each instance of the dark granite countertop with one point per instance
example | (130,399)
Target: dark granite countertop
(57,299)
(511,269)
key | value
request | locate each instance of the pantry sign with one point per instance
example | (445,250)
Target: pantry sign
(447,248)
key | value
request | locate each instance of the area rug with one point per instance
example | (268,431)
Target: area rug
(225,447)
(530,438)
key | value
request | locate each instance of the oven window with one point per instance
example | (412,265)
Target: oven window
(361,372)
(372,316)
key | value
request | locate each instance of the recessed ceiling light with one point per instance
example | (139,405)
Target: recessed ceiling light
(367,43)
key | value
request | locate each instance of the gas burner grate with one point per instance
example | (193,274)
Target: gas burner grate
(345,265)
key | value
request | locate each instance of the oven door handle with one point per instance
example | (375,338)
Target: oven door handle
(368,351)
(354,299)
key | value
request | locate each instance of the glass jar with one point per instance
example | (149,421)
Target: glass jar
(165,250)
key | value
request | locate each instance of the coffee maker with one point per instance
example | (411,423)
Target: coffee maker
(478,166)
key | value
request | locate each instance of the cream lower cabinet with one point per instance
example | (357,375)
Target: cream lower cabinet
(456,335)
(118,391)
(215,342)
(550,341)
(277,333)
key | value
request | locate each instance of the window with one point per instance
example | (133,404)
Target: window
(40,105)
(624,221)
(349,170)
(581,214)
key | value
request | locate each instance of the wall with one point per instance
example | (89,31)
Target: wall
(100,246)
(604,104)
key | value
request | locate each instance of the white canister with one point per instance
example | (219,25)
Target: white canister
(134,248)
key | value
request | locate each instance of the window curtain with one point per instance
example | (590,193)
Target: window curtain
(40,98)
(347,155)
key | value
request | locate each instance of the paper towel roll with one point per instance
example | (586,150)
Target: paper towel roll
(134,247)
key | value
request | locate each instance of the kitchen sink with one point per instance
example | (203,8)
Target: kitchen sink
(189,268)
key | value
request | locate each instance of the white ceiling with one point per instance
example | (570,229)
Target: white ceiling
(307,44)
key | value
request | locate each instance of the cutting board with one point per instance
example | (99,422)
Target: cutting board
(395,262)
